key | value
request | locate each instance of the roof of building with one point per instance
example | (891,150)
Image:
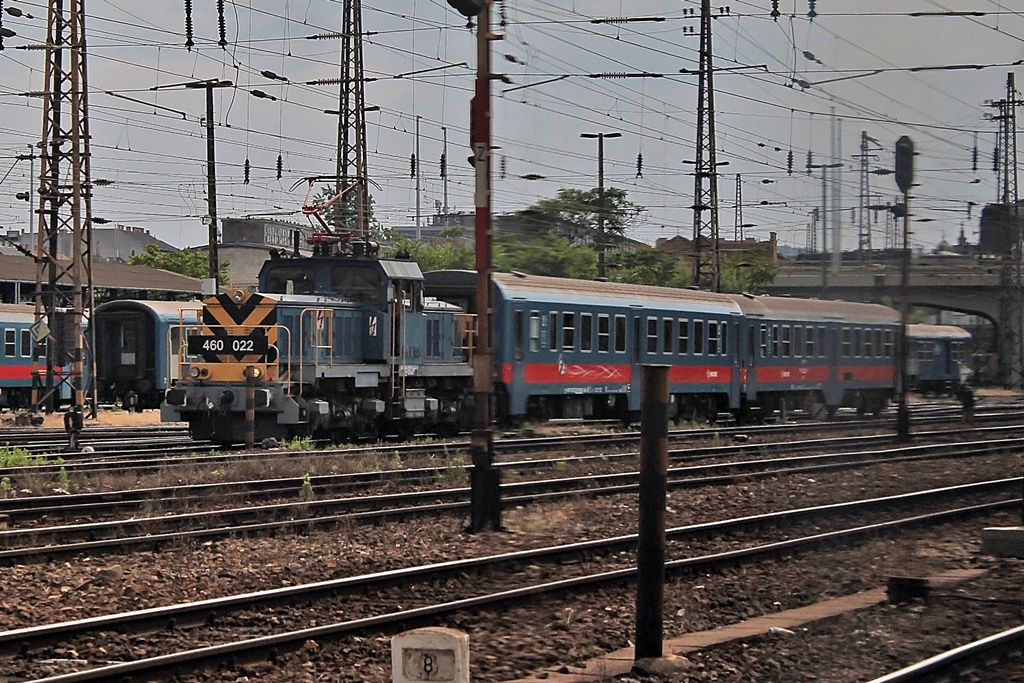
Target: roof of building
(107,275)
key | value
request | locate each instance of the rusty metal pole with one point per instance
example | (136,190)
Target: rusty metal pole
(250,405)
(485,491)
(903,410)
(650,588)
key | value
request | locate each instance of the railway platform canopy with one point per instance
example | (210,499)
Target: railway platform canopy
(110,280)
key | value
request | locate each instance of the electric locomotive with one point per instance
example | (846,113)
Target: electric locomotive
(340,345)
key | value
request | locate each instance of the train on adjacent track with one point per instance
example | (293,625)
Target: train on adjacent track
(16,358)
(938,358)
(347,345)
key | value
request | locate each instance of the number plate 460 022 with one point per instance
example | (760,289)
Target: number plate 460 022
(203,345)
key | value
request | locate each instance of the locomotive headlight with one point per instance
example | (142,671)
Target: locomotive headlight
(238,296)
(257,373)
(193,372)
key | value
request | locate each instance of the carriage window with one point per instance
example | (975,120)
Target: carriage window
(723,344)
(698,337)
(712,338)
(858,342)
(553,332)
(868,349)
(586,331)
(809,348)
(534,331)
(877,343)
(888,343)
(775,341)
(684,336)
(26,344)
(652,335)
(798,341)
(9,343)
(620,334)
(822,351)
(568,331)
(764,341)
(517,335)
(846,342)
(603,330)
(787,349)
(667,335)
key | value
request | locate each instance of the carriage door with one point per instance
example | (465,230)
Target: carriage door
(737,354)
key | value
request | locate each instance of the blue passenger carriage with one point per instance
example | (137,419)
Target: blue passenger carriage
(16,351)
(938,358)
(137,349)
(816,355)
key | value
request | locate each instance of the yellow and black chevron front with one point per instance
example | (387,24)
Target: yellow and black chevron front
(239,327)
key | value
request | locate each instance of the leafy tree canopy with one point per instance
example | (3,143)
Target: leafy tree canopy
(575,213)
(445,252)
(749,270)
(190,262)
(648,266)
(345,209)
(551,255)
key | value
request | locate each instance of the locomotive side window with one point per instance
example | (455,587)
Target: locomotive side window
(553,332)
(787,349)
(652,335)
(10,347)
(517,335)
(534,331)
(26,344)
(775,341)
(568,331)
(586,332)
(667,335)
(603,332)
(620,334)
(698,337)
(712,338)
(684,336)
(798,342)
(764,341)
(847,337)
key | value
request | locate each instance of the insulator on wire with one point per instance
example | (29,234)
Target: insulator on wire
(246,168)
(809,159)
(504,16)
(504,167)
(974,159)
(640,165)
(223,42)
(789,163)
(189,43)
(412,165)
(811,13)
(995,159)
(280,166)
(775,10)
(444,165)
(1,25)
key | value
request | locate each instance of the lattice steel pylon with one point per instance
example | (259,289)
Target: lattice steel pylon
(706,263)
(1011,305)
(64,287)
(352,213)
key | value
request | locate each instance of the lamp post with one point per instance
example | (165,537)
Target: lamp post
(600,195)
(824,222)
(211,164)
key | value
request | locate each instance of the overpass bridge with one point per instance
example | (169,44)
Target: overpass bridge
(965,284)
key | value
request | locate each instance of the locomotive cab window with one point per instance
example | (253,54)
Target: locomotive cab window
(361,284)
(603,332)
(290,280)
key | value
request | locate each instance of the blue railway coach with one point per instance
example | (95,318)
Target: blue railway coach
(137,349)
(16,349)
(937,358)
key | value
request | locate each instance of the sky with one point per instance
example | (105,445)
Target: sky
(929,69)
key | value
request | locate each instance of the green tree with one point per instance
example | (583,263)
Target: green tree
(747,271)
(345,208)
(575,214)
(445,252)
(190,262)
(648,266)
(548,254)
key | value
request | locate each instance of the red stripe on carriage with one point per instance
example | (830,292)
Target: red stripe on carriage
(868,373)
(17,372)
(574,373)
(715,374)
(809,373)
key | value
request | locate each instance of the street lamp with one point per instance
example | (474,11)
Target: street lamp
(600,195)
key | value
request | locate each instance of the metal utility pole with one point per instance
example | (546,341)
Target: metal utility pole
(837,192)
(824,223)
(812,232)
(706,265)
(1011,312)
(444,171)
(65,206)
(353,210)
(416,170)
(904,180)
(601,209)
(737,231)
(863,217)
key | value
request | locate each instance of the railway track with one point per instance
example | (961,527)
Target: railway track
(47,542)
(386,601)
